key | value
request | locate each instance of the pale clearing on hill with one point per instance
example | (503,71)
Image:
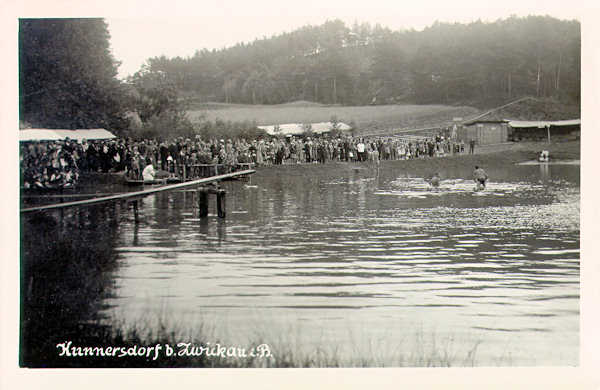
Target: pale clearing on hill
(364,117)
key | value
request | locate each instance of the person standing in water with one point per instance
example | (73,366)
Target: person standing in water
(480,177)
(435,180)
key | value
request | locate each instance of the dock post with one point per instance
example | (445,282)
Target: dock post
(80,219)
(136,215)
(116,213)
(221,230)
(202,202)
(221,203)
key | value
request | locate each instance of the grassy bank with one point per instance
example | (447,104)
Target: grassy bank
(172,347)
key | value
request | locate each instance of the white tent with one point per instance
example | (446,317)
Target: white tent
(543,124)
(39,135)
(60,134)
(298,128)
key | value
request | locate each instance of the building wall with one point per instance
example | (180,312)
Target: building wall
(466,133)
(487,133)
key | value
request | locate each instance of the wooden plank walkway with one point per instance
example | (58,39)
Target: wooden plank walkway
(136,194)
(90,195)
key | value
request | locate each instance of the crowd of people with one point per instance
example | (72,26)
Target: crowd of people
(49,164)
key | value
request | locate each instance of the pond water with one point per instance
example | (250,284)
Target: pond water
(366,268)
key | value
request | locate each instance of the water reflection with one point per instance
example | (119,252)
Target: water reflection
(68,262)
(354,257)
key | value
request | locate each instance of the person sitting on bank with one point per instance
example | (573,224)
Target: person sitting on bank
(480,177)
(435,180)
(149,174)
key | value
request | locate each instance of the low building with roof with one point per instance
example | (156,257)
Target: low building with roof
(564,130)
(485,131)
(489,131)
(299,128)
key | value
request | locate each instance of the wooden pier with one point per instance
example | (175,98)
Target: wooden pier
(143,193)
(196,171)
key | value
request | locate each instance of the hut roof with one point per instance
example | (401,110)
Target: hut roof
(523,124)
(489,120)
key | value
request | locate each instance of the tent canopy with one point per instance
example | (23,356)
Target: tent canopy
(60,134)
(297,128)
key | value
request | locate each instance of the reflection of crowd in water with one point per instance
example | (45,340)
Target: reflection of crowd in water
(57,163)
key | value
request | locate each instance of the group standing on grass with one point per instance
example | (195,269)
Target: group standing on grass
(48,164)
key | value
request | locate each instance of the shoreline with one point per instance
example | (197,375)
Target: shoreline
(485,155)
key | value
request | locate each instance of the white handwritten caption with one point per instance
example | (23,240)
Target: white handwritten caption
(216,350)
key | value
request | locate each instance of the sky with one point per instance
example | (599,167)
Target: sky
(139,33)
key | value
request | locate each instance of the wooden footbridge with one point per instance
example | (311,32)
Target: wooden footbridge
(203,191)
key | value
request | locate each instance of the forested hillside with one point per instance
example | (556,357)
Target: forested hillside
(478,64)
(68,74)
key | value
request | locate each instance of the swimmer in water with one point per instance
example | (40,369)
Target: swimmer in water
(480,177)
(435,180)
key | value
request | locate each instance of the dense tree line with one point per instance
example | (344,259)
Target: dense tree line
(446,63)
(68,79)
(68,75)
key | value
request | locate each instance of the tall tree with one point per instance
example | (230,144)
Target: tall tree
(68,75)
(157,104)
(388,69)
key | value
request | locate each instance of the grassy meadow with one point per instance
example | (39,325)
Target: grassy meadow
(365,118)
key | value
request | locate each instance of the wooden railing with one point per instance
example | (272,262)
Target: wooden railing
(199,171)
